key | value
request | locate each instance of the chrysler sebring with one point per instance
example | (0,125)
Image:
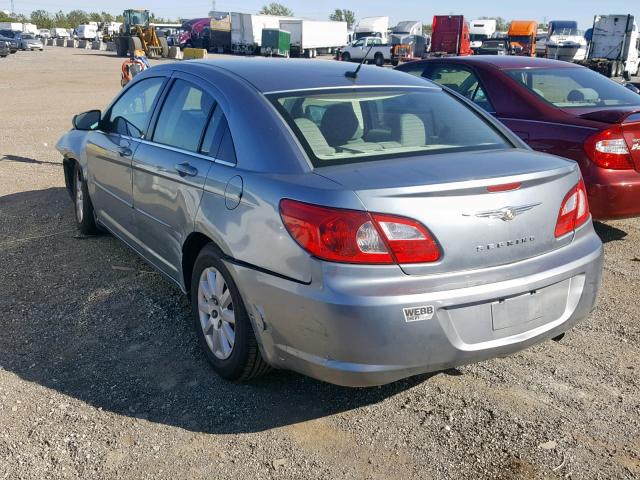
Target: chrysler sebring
(357,227)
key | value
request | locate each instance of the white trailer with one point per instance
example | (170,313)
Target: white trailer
(17,27)
(372,27)
(481,30)
(310,37)
(246,30)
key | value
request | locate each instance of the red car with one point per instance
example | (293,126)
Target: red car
(559,108)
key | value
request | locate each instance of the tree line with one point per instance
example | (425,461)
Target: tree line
(72,19)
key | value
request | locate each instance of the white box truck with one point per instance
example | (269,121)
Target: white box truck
(481,30)
(246,30)
(310,37)
(59,33)
(87,32)
(613,50)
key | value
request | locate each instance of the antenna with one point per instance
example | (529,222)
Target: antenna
(354,74)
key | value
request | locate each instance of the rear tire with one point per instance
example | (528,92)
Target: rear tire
(221,321)
(165,47)
(85,215)
(378,60)
(134,44)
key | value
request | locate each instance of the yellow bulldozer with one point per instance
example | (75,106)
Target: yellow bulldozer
(137,34)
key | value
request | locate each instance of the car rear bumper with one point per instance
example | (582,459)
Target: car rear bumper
(349,327)
(613,193)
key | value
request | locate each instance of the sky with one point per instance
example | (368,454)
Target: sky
(422,10)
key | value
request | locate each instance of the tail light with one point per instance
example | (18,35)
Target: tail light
(353,236)
(608,149)
(574,210)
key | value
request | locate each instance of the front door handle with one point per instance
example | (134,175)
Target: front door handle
(186,170)
(125,152)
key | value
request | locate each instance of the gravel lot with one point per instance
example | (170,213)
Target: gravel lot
(101,375)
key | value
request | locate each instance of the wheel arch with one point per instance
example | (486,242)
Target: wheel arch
(68,164)
(191,247)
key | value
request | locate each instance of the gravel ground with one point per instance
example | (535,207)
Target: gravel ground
(101,376)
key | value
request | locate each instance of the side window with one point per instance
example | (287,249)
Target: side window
(212,135)
(359,43)
(131,113)
(183,116)
(462,81)
(218,142)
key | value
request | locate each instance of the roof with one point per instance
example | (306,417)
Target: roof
(279,74)
(511,61)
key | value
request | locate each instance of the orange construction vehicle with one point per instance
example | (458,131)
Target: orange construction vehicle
(522,37)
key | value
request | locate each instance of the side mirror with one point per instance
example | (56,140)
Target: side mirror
(87,120)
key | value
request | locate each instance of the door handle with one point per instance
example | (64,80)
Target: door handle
(186,170)
(124,152)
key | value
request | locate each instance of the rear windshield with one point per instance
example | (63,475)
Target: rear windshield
(348,126)
(574,87)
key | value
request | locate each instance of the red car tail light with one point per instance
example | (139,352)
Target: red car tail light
(608,149)
(353,236)
(574,210)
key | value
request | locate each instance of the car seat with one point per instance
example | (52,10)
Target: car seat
(314,137)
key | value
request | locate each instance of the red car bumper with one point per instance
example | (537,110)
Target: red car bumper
(613,193)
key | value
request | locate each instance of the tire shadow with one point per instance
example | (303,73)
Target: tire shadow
(86,317)
(608,233)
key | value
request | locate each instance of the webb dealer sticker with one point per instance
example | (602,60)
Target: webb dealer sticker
(417,314)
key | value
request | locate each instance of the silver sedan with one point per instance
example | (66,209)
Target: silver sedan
(357,227)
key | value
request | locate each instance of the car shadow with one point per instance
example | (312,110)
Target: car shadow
(608,233)
(84,316)
(20,159)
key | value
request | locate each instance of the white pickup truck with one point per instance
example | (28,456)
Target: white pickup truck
(380,52)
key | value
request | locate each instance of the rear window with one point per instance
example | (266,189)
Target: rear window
(574,87)
(348,126)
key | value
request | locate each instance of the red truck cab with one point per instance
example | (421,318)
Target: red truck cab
(450,36)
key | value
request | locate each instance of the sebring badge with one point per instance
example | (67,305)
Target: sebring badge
(505,214)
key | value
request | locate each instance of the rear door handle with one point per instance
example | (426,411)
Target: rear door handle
(125,151)
(186,170)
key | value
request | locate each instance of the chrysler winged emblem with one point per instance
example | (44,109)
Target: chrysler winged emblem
(505,214)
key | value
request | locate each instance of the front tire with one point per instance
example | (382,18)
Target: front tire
(85,215)
(221,321)
(346,57)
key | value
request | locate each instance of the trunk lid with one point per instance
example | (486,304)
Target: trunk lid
(448,194)
(631,132)
(605,115)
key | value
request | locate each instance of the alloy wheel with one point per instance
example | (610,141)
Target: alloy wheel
(215,309)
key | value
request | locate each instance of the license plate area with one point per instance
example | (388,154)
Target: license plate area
(518,310)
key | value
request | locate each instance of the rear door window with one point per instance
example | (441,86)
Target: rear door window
(183,117)
(463,81)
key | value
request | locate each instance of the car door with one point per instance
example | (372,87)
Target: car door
(169,172)
(357,50)
(110,149)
